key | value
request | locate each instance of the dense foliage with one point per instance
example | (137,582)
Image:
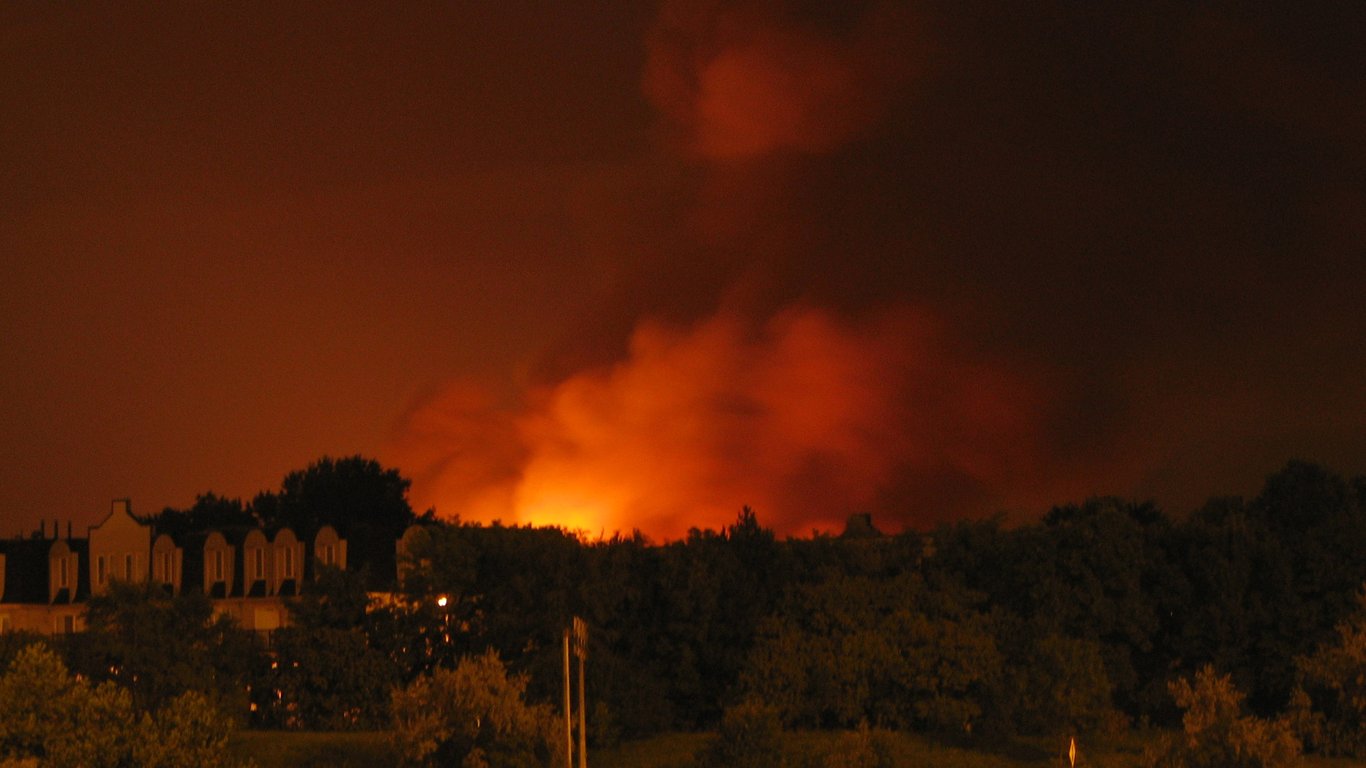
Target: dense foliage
(895,654)
(750,736)
(324,671)
(475,716)
(55,719)
(1077,623)
(362,499)
(1330,705)
(158,647)
(1217,733)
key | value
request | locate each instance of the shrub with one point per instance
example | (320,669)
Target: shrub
(1216,733)
(751,736)
(473,716)
(863,748)
(1052,684)
(52,718)
(1330,706)
(897,654)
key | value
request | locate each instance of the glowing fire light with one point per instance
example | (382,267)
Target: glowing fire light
(804,417)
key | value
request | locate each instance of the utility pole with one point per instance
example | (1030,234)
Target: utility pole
(581,650)
(568,721)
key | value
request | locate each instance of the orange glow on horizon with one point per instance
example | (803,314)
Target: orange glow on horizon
(574,514)
(805,418)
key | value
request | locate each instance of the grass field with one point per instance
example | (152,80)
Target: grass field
(306,749)
(813,749)
(677,750)
(282,749)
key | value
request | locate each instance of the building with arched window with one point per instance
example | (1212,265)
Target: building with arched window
(248,573)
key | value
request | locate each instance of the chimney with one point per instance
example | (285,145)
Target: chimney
(860,526)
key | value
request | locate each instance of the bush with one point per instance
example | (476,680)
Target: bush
(50,717)
(1216,733)
(1330,706)
(751,736)
(1052,685)
(863,748)
(326,679)
(316,749)
(898,654)
(473,716)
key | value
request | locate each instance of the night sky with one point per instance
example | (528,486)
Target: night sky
(632,266)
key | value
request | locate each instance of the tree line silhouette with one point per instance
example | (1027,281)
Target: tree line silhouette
(1079,621)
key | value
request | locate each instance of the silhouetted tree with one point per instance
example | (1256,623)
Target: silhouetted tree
(1050,684)
(1099,572)
(713,618)
(159,647)
(324,673)
(1216,733)
(475,714)
(1332,696)
(1270,579)
(1104,575)
(322,678)
(208,511)
(896,654)
(750,736)
(367,503)
(50,717)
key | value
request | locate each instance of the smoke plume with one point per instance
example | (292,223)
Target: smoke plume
(739,80)
(805,417)
(777,401)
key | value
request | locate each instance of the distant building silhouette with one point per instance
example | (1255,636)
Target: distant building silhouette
(860,526)
(249,573)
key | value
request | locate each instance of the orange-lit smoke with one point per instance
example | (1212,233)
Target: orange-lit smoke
(804,417)
(740,81)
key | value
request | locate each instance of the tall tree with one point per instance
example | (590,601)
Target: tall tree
(208,511)
(52,718)
(325,672)
(474,715)
(1104,576)
(159,646)
(897,654)
(1217,734)
(366,502)
(1333,683)
(1317,515)
(1271,579)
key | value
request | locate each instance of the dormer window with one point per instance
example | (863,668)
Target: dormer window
(260,556)
(218,565)
(289,562)
(62,578)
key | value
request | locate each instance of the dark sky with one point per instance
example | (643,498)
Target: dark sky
(635,266)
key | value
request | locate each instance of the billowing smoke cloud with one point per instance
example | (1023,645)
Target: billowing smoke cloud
(739,81)
(778,401)
(805,417)
(463,453)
